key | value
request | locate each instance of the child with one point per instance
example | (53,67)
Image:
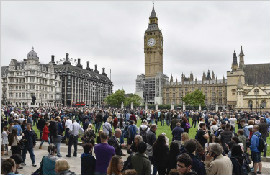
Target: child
(4,137)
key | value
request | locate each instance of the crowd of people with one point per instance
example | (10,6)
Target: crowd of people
(223,143)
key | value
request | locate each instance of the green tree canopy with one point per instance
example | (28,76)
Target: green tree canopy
(116,99)
(133,98)
(195,98)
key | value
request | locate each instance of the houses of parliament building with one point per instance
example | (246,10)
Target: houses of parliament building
(247,86)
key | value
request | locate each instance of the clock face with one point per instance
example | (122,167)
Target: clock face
(151,42)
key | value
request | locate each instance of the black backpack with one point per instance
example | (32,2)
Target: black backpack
(261,144)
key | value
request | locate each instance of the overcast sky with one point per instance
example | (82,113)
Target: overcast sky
(197,35)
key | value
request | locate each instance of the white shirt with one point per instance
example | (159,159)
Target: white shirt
(232,121)
(68,123)
(75,128)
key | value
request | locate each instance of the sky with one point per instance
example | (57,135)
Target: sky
(198,35)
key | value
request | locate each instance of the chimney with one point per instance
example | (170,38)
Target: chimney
(103,71)
(66,56)
(96,69)
(52,59)
(79,63)
(87,65)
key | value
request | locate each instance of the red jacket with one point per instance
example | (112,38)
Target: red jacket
(45,133)
(133,117)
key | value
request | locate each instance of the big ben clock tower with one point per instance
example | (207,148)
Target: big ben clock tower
(149,85)
(153,47)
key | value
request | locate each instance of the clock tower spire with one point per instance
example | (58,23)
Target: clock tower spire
(153,47)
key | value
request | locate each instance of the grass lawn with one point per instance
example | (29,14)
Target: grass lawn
(166,129)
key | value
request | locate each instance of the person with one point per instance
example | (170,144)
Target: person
(104,153)
(232,120)
(140,161)
(62,167)
(150,140)
(237,160)
(160,154)
(29,137)
(115,166)
(202,134)
(88,161)
(67,126)
(242,139)
(173,154)
(264,130)
(47,164)
(255,153)
(176,132)
(184,165)
(194,120)
(132,132)
(216,163)
(45,135)
(40,125)
(214,127)
(197,165)
(75,129)
(174,122)
(98,121)
(143,130)
(98,137)
(89,135)
(14,142)
(18,127)
(113,141)
(107,127)
(4,137)
(18,160)
(226,136)
(134,146)
(8,167)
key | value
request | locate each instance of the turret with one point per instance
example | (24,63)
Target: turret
(241,56)
(234,64)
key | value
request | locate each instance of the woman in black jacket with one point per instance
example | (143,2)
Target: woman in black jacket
(160,154)
(173,154)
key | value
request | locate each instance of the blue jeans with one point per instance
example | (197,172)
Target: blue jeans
(98,125)
(58,148)
(42,141)
(265,148)
(162,122)
(31,152)
(168,122)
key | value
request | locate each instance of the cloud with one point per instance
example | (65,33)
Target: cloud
(197,35)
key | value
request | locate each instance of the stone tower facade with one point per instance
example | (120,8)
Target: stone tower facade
(153,47)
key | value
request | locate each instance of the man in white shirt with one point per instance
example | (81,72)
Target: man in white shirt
(74,131)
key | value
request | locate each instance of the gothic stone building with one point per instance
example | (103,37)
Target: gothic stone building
(80,85)
(215,90)
(23,79)
(149,85)
(248,86)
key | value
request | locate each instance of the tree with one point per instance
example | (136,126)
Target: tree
(133,98)
(195,98)
(116,99)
